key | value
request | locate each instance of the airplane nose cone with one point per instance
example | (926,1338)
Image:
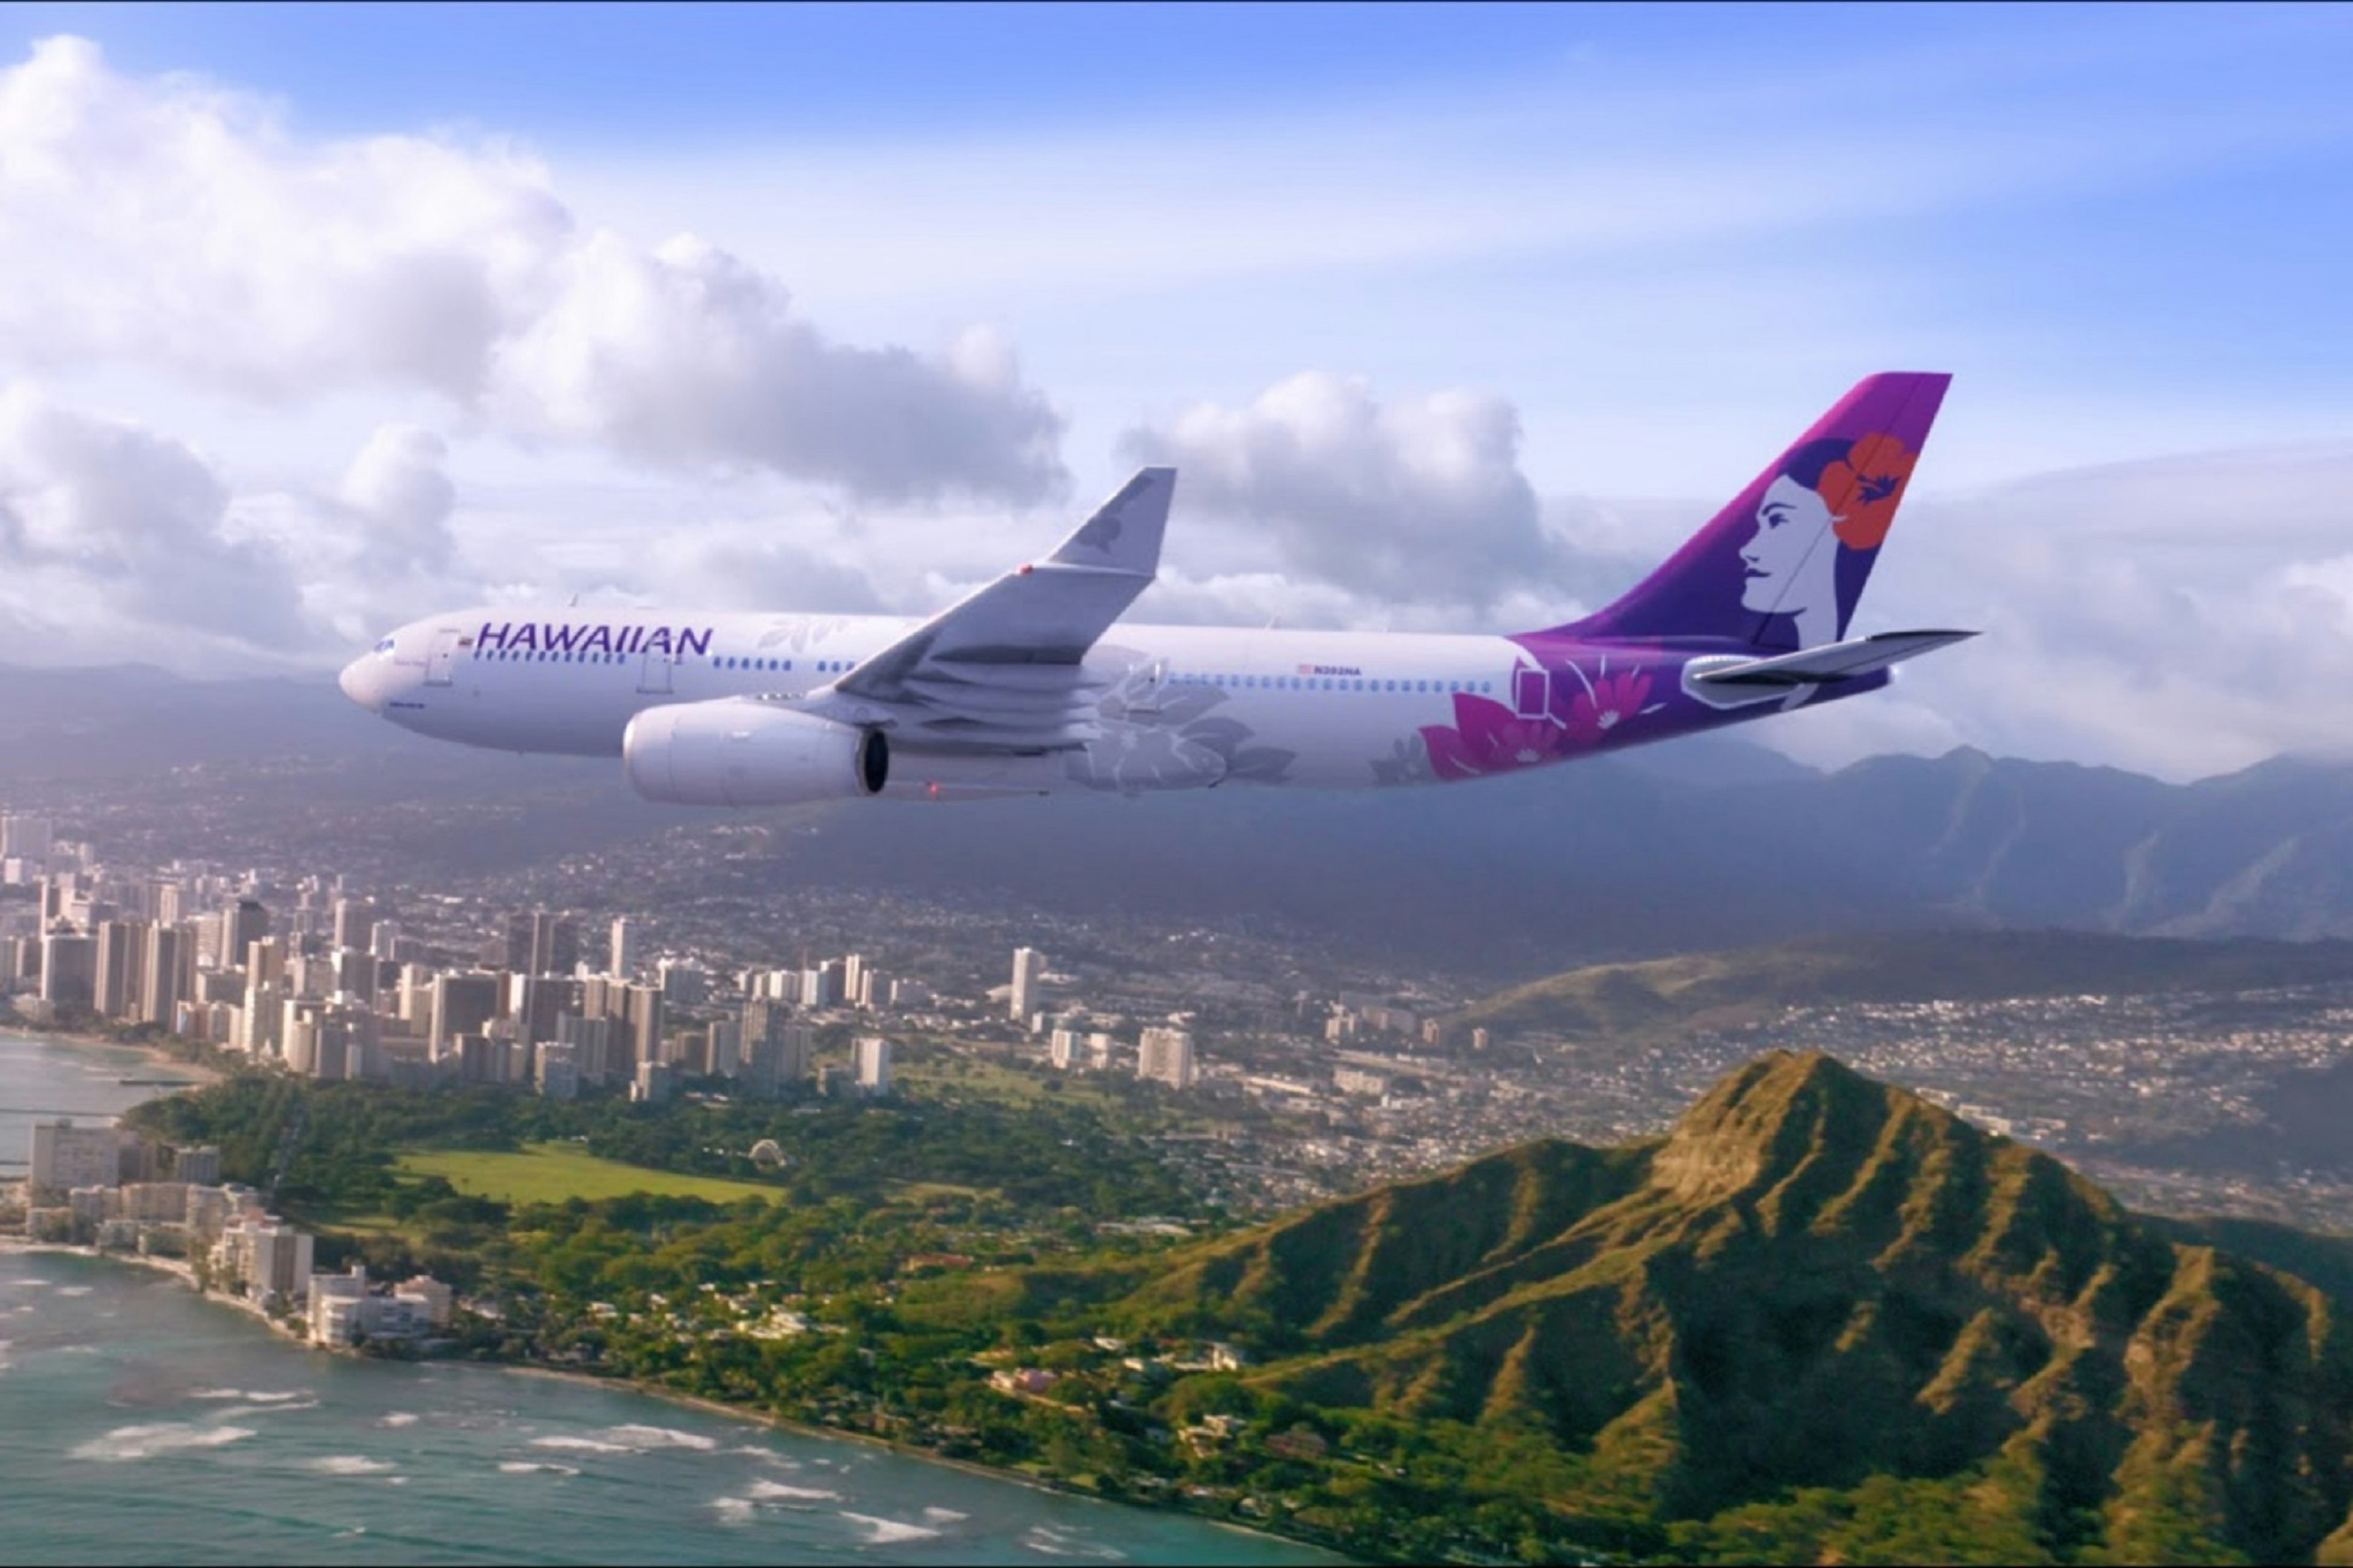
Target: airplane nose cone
(358,686)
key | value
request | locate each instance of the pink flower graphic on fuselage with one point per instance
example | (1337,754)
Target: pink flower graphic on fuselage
(1613,699)
(1488,737)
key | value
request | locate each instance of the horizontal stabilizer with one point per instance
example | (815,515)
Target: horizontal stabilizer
(1820,665)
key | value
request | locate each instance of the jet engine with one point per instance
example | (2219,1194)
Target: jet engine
(738,753)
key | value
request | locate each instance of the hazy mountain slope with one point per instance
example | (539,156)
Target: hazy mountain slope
(1717,989)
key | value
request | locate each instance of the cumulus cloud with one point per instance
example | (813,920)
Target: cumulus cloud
(168,224)
(1410,500)
(114,538)
(399,492)
(2185,616)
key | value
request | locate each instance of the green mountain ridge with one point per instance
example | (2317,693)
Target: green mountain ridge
(1820,1313)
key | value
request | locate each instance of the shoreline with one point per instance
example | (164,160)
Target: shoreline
(181,1271)
(904,1450)
(176,1268)
(199,1075)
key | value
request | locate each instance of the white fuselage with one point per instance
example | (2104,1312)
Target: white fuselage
(1321,708)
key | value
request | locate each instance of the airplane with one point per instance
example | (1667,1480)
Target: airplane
(1031,684)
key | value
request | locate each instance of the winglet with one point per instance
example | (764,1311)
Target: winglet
(1124,534)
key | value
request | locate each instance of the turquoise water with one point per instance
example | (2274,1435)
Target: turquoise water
(141,1424)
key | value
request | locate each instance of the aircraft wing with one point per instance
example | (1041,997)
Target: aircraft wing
(1820,665)
(1004,670)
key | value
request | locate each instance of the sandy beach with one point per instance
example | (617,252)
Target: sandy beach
(161,1055)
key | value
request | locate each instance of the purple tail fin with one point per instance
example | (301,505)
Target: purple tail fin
(1783,564)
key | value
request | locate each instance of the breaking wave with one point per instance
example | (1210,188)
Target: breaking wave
(1053,1543)
(776,1491)
(127,1443)
(890,1531)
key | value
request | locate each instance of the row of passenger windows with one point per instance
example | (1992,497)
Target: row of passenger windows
(1227,682)
(557,656)
(1328,683)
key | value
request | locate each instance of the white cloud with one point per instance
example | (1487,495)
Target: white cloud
(170,224)
(2184,617)
(114,540)
(399,492)
(1413,500)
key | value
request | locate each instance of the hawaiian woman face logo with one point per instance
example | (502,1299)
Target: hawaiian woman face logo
(1833,499)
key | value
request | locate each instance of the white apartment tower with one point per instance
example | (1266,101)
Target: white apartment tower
(66,1157)
(1029,964)
(874,1060)
(1165,1056)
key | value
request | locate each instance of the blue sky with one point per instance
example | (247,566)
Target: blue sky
(1569,272)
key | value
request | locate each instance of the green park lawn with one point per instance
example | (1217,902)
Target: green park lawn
(552,1173)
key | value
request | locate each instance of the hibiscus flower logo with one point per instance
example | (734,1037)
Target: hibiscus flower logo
(1488,737)
(1613,699)
(1863,490)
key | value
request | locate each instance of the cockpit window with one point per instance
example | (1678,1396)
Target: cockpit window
(384,646)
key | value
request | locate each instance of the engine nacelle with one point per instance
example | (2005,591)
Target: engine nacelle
(738,753)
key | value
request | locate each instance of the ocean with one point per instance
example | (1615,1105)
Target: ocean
(139,1423)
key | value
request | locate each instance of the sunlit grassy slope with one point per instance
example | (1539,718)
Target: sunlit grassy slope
(552,1173)
(1814,1286)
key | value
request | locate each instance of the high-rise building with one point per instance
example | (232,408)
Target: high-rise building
(684,982)
(654,1084)
(541,942)
(557,1070)
(1029,966)
(265,962)
(554,944)
(354,923)
(199,1166)
(66,1157)
(270,1258)
(121,963)
(537,1000)
(724,1047)
(69,969)
(1165,1056)
(243,923)
(383,942)
(821,986)
(462,1004)
(170,977)
(591,1043)
(26,838)
(355,972)
(872,1058)
(624,962)
(1062,1049)
(776,1050)
(646,1020)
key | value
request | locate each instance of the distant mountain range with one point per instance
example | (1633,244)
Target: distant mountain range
(1822,1320)
(1703,843)
(1634,1003)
